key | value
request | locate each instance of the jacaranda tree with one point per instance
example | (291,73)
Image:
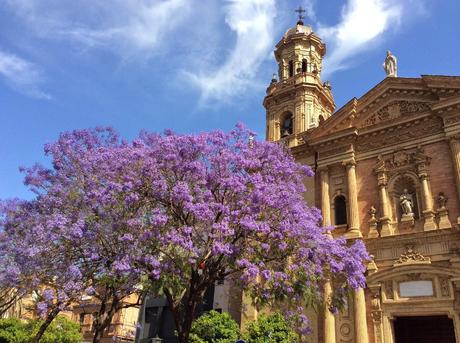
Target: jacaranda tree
(176,213)
(37,261)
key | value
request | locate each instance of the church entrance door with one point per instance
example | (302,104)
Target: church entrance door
(427,329)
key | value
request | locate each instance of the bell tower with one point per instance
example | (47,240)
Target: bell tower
(297,100)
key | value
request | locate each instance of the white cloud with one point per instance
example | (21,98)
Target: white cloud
(21,75)
(252,21)
(362,22)
(135,27)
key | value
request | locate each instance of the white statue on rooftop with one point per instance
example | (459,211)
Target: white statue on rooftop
(390,65)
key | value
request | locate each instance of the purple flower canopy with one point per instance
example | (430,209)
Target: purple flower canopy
(175,211)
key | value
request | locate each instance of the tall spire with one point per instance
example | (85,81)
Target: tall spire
(300,12)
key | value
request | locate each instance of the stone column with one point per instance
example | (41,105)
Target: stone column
(455,149)
(325,199)
(353,222)
(428,212)
(359,303)
(328,317)
(422,162)
(382,181)
(387,230)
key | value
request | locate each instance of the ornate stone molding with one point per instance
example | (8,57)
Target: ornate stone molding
(396,110)
(401,159)
(452,120)
(406,132)
(411,256)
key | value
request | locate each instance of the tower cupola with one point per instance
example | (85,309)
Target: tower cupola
(298,99)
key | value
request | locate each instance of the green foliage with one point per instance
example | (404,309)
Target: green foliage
(12,330)
(214,327)
(61,330)
(271,329)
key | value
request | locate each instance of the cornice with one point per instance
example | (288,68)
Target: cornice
(447,105)
(293,38)
(281,90)
(417,238)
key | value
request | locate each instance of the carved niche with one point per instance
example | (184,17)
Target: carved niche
(396,110)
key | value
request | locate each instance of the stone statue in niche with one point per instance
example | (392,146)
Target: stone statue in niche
(390,65)
(407,203)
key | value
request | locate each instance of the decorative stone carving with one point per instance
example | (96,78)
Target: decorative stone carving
(345,329)
(373,232)
(443,212)
(402,134)
(376,311)
(372,266)
(452,120)
(389,289)
(380,165)
(445,289)
(396,110)
(372,211)
(411,256)
(400,159)
(442,200)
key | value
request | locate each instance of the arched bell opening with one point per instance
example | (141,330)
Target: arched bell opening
(287,124)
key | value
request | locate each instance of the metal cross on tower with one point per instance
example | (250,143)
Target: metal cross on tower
(300,11)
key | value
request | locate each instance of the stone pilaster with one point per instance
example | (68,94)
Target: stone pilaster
(353,231)
(455,150)
(376,313)
(359,303)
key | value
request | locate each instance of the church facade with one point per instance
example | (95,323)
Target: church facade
(387,171)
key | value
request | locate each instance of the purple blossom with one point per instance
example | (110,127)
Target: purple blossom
(173,209)
(48,295)
(42,308)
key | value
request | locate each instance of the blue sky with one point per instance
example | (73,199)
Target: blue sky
(189,65)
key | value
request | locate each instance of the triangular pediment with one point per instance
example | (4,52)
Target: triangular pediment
(391,101)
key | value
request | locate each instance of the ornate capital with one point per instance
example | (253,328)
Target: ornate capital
(322,170)
(349,163)
(454,138)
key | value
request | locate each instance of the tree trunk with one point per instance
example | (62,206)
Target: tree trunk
(184,313)
(101,326)
(45,325)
